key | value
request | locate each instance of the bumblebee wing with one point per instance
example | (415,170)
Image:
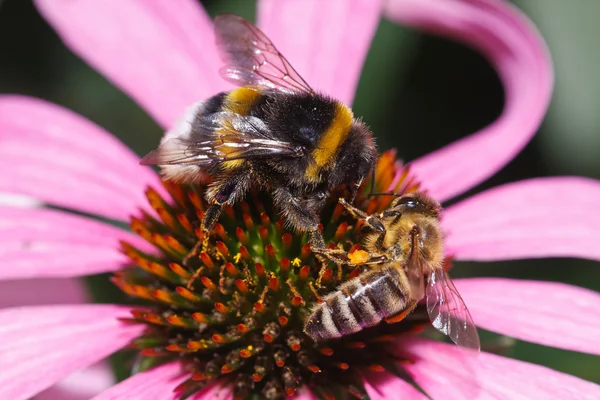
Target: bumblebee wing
(251,58)
(448,312)
(220,137)
(180,151)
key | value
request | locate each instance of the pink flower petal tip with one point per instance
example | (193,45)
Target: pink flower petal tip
(66,339)
(514,47)
(37,242)
(518,220)
(450,373)
(160,383)
(81,385)
(95,173)
(553,314)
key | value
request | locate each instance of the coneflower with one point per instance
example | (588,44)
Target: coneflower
(229,322)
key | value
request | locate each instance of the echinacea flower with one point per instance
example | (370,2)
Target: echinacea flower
(161,54)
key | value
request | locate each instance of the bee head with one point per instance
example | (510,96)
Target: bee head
(356,158)
(417,204)
(420,219)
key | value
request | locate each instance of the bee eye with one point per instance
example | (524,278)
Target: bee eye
(321,195)
(409,202)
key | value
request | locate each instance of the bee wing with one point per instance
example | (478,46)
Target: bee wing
(251,58)
(181,151)
(220,137)
(448,312)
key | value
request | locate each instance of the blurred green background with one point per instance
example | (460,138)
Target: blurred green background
(441,91)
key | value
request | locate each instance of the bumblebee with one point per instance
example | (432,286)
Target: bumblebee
(402,263)
(273,132)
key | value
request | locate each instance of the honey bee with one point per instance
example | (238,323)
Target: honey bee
(403,259)
(273,132)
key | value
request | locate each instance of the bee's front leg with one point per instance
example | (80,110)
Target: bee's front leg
(354,189)
(371,220)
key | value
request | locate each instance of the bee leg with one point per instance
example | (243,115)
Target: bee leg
(379,241)
(392,213)
(377,221)
(371,220)
(302,214)
(318,247)
(208,223)
(323,255)
(403,314)
(225,192)
(211,216)
(337,256)
(315,238)
(315,293)
(374,259)
(354,189)
(355,212)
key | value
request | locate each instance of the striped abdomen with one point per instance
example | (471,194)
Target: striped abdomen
(359,303)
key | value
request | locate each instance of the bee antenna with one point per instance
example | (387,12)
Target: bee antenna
(385,194)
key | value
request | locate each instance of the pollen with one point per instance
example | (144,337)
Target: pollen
(358,257)
(235,302)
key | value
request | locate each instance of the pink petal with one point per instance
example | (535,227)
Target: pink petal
(33,292)
(549,313)
(37,242)
(161,54)
(512,44)
(159,383)
(382,386)
(546,217)
(60,158)
(325,41)
(81,385)
(446,373)
(217,391)
(39,346)
(304,394)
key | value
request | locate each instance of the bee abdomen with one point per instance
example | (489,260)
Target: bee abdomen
(359,303)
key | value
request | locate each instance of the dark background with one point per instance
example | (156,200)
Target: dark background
(417,92)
